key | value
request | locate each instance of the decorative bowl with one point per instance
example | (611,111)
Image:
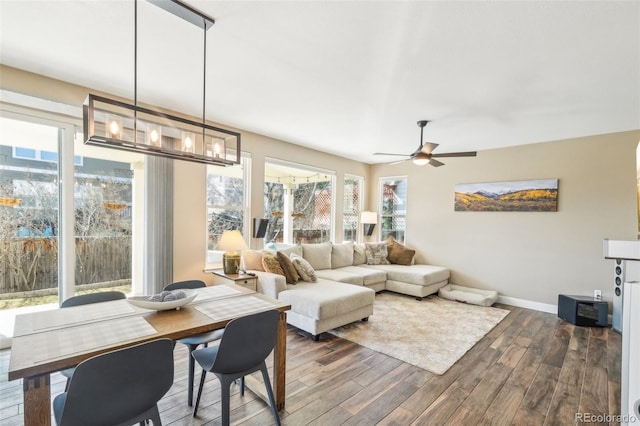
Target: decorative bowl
(144,302)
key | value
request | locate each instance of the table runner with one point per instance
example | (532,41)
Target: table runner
(68,341)
(48,320)
(233,307)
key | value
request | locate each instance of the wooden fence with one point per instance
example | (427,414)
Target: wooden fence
(31,264)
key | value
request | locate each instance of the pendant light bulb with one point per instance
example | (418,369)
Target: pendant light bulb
(114,128)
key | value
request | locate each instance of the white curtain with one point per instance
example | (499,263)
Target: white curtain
(158,229)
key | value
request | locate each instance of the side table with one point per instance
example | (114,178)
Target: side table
(247,281)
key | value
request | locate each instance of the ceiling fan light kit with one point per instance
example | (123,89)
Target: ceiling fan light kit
(420,159)
(114,124)
(423,155)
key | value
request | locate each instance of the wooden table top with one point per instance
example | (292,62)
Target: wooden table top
(62,338)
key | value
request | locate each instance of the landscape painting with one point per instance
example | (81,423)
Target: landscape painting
(515,196)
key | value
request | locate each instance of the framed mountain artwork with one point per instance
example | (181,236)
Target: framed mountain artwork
(539,195)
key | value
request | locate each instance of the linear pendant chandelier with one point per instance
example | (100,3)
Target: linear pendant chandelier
(115,124)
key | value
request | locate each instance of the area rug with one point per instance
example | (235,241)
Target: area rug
(432,334)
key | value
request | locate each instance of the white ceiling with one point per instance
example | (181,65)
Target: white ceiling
(353,77)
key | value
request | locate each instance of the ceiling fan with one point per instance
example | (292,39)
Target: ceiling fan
(423,154)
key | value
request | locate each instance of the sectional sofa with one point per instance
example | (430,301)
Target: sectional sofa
(346,283)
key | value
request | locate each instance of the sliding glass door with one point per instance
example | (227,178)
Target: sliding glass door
(70,214)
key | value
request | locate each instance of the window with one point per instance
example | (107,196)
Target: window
(352,206)
(227,203)
(298,202)
(393,205)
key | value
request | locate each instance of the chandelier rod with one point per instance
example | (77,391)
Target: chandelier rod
(189,14)
(204,74)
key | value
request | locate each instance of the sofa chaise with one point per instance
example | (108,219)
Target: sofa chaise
(345,283)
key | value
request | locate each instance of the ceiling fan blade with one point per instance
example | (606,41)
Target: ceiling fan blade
(398,162)
(386,153)
(456,154)
(428,147)
(435,163)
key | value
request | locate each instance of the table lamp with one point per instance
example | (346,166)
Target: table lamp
(369,220)
(232,243)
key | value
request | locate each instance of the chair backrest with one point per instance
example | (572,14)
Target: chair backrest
(114,387)
(86,299)
(185,284)
(246,342)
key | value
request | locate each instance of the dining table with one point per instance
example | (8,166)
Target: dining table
(49,341)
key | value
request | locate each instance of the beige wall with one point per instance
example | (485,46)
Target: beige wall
(531,256)
(527,255)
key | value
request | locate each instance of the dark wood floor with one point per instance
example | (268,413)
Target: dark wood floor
(530,369)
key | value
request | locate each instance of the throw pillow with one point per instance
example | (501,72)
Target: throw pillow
(376,253)
(398,253)
(359,256)
(270,264)
(304,268)
(253,260)
(289,270)
(341,255)
(318,255)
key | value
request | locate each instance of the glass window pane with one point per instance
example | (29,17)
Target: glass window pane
(29,204)
(393,208)
(352,205)
(274,211)
(297,204)
(224,190)
(220,220)
(227,205)
(103,203)
(312,212)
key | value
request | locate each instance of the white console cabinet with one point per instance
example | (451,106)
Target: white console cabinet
(628,251)
(631,354)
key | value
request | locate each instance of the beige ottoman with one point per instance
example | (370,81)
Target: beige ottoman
(324,305)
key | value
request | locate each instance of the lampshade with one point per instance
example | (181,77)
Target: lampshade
(231,242)
(368,217)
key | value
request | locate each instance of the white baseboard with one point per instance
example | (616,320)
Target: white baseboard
(528,304)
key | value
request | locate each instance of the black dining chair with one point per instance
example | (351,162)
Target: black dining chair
(122,387)
(246,343)
(86,299)
(192,342)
